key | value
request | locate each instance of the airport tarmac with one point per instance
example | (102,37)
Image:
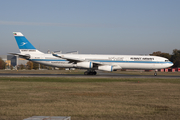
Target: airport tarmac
(99,75)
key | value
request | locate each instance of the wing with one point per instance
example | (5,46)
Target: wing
(70,59)
(75,60)
(99,65)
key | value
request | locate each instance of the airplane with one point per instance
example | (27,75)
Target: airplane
(89,61)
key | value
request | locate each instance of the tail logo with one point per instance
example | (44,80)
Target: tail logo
(23,43)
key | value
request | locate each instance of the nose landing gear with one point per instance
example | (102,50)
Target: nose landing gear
(155,74)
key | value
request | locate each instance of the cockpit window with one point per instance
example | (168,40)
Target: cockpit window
(166,60)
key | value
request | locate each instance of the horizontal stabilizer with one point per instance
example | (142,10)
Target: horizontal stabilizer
(21,55)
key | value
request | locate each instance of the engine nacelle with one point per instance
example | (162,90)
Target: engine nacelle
(108,68)
(85,64)
(117,67)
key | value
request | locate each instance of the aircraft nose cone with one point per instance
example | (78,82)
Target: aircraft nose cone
(171,64)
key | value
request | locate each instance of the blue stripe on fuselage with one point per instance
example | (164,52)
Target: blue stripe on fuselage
(132,61)
(105,61)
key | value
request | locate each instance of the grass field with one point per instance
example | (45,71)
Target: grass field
(90,98)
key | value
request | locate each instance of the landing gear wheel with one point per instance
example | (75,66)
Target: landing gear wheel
(86,73)
(90,72)
(155,74)
(94,73)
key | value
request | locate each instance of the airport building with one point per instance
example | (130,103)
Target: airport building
(12,60)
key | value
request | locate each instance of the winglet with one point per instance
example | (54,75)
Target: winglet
(56,55)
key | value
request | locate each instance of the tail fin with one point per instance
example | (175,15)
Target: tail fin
(24,45)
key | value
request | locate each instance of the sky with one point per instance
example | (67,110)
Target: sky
(92,26)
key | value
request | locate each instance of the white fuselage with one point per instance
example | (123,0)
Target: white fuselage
(123,61)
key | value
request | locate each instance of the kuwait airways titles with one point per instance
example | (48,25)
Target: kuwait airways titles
(142,58)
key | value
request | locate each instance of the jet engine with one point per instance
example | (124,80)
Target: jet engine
(108,68)
(105,68)
(85,64)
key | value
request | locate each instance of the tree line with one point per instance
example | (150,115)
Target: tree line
(2,64)
(174,57)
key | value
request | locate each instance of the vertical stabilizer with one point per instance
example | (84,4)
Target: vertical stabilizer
(24,45)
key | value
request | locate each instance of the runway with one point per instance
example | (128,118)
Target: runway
(99,75)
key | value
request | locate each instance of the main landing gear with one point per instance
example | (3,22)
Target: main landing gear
(155,73)
(90,72)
